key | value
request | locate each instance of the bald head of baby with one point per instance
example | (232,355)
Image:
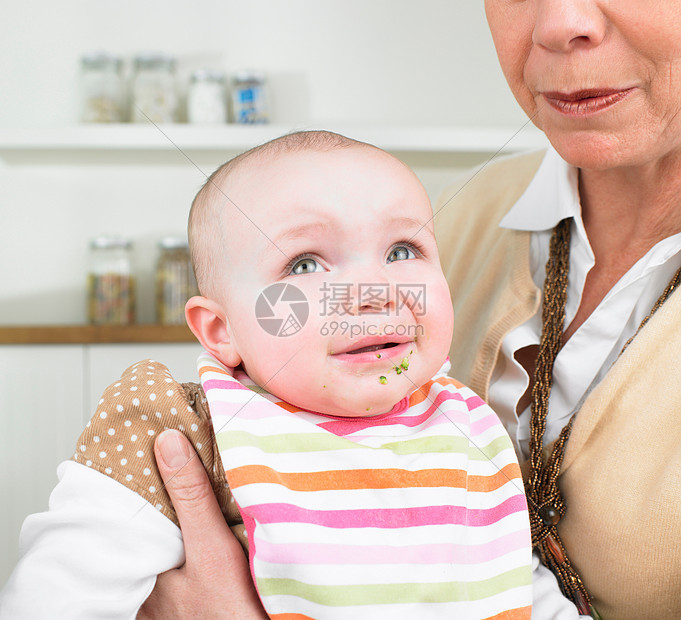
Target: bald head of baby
(217,203)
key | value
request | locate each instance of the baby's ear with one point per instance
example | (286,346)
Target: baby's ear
(208,321)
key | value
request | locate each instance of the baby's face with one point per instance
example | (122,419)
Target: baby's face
(351,230)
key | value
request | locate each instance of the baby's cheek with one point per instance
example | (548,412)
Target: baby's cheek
(438,317)
(287,360)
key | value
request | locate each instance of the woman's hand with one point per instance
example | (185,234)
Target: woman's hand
(215,581)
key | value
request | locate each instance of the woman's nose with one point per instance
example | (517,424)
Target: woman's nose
(567,25)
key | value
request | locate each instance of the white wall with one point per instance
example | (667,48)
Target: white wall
(387,61)
(351,61)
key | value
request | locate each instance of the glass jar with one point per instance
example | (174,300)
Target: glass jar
(154,94)
(111,285)
(206,103)
(175,282)
(102,90)
(250,99)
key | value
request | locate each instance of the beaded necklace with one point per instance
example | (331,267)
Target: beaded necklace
(545,501)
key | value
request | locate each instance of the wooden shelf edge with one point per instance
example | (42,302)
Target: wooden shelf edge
(94,334)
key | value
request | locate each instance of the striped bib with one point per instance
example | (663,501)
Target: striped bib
(419,512)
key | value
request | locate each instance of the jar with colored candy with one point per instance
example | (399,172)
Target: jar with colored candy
(111,285)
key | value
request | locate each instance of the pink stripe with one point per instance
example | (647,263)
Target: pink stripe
(310,553)
(386,518)
(221,384)
(343,427)
(458,418)
(449,417)
(474,402)
(480,426)
(252,410)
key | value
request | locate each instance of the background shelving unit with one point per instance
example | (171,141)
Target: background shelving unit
(43,144)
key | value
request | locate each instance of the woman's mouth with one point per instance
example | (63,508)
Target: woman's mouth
(584,102)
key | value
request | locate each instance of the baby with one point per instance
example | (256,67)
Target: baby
(369,483)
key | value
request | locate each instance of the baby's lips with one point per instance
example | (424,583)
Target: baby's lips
(371,343)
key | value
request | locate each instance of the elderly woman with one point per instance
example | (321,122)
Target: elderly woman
(562,268)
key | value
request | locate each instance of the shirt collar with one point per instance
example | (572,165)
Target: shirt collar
(552,196)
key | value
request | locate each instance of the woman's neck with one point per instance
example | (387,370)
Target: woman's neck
(626,211)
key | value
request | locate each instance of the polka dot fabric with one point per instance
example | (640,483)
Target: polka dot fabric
(119,439)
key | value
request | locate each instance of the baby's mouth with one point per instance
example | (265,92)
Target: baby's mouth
(373,347)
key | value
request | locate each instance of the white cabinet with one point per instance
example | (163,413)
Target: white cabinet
(41,414)
(47,395)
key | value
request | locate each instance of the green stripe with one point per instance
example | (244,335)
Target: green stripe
(425,445)
(491,450)
(286,442)
(396,593)
(319,442)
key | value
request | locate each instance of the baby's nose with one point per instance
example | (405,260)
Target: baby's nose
(376,297)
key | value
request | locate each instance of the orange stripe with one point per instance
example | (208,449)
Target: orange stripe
(495,481)
(290,617)
(205,369)
(369,479)
(345,480)
(422,393)
(289,407)
(521,613)
(449,381)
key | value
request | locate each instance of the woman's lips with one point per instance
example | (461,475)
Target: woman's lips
(584,102)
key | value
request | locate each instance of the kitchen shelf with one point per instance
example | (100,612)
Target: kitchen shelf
(25,144)
(94,334)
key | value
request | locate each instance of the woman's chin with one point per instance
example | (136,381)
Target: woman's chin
(589,149)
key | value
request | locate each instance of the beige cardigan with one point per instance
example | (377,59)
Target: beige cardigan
(621,475)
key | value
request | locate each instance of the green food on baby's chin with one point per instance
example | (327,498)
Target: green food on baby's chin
(404,365)
(383,379)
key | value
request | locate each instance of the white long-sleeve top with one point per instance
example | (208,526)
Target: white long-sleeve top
(94,554)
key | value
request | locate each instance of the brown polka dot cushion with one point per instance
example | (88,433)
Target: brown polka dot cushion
(119,439)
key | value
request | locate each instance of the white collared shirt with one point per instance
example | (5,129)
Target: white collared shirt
(586,357)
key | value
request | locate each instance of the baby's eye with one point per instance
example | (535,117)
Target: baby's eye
(401,252)
(305,265)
